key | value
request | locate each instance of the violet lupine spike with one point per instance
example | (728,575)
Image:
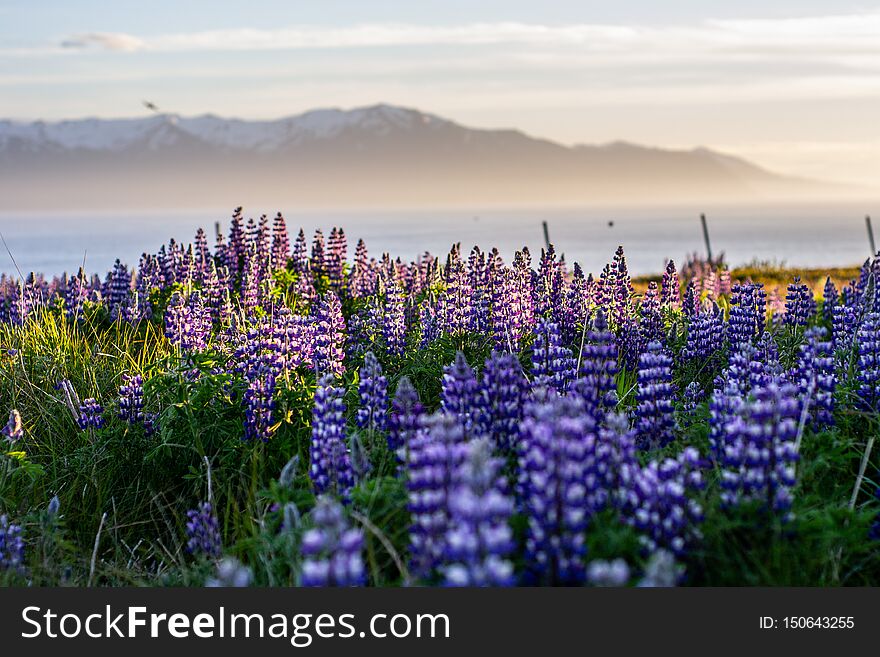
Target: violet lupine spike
(91,414)
(502,393)
(329,336)
(479,539)
(552,364)
(759,454)
(670,288)
(407,417)
(259,405)
(131,399)
(691,303)
(236,246)
(630,342)
(868,362)
(363,280)
(187,322)
(744,322)
(280,242)
(12,553)
(457,296)
(331,548)
(652,327)
(331,470)
(318,260)
(844,323)
(798,303)
(203,531)
(394,321)
(372,414)
(815,377)
(830,298)
(13,430)
(300,253)
(655,419)
(201,253)
(335,257)
(119,289)
(459,396)
(705,335)
(433,458)
(596,383)
(659,501)
(76,296)
(558,476)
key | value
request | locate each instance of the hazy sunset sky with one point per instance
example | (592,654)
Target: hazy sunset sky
(792,85)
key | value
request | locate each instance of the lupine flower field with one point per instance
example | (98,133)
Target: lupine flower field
(275,410)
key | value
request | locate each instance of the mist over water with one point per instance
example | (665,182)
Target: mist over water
(809,236)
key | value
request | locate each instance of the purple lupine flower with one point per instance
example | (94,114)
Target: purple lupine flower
(362,282)
(13,430)
(329,335)
(187,322)
(575,308)
(459,397)
(236,247)
(332,549)
(259,404)
(868,362)
(119,289)
(552,364)
(91,414)
(705,336)
(658,501)
(692,397)
(744,323)
(433,458)
(203,531)
(372,414)
(758,453)
(502,394)
(202,255)
(651,327)
(548,291)
(131,399)
(830,298)
(656,422)
(844,322)
(280,242)
(630,342)
(317,263)
(670,287)
(407,417)
(331,470)
(479,538)
(557,483)
(815,377)
(690,305)
(598,368)
(76,295)
(457,297)
(11,546)
(799,304)
(300,253)
(393,321)
(429,323)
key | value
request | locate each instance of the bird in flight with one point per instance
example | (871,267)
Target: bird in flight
(150,106)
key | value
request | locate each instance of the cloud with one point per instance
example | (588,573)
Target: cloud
(819,35)
(103,40)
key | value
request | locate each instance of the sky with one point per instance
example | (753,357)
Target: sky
(791,85)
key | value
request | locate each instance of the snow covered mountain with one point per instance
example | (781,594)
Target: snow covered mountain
(376,156)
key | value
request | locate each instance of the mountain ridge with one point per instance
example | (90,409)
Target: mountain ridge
(375,155)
